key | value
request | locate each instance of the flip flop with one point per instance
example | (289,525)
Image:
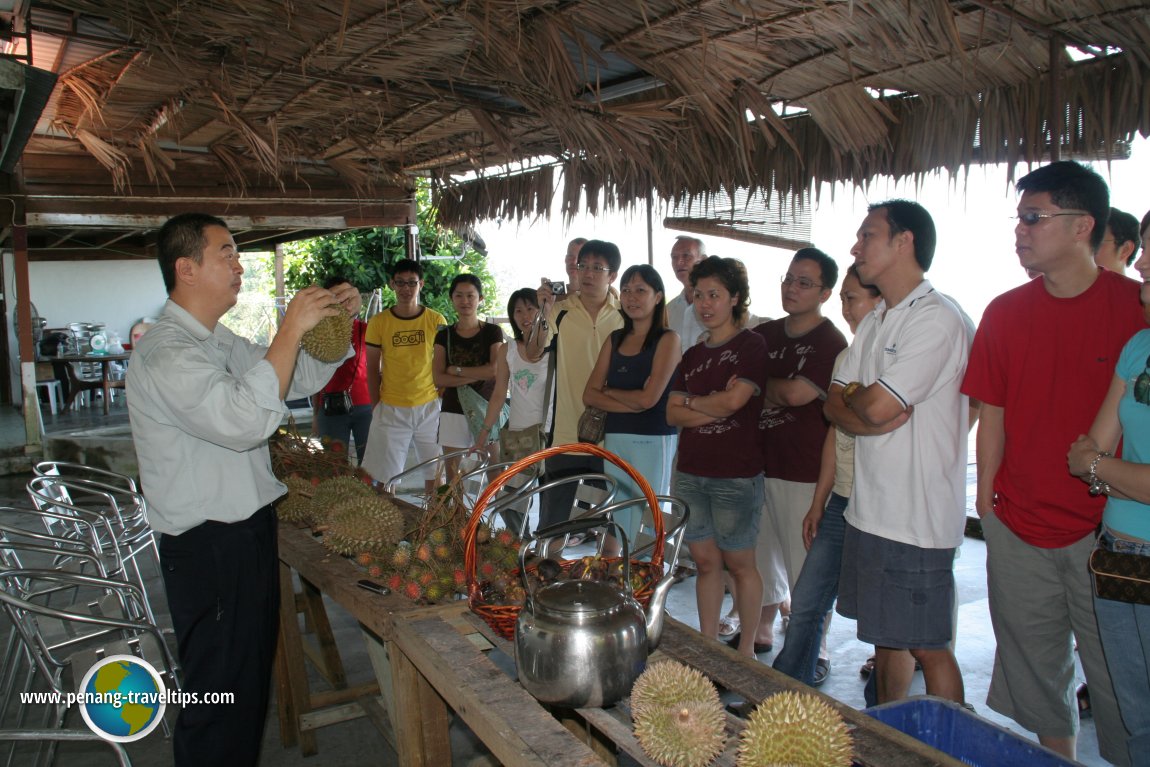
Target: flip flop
(760,648)
(728,625)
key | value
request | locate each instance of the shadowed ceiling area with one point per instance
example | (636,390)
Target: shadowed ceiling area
(295,118)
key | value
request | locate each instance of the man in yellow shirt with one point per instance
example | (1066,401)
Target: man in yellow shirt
(405,402)
(588,318)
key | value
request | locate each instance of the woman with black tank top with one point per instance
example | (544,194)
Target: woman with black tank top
(630,381)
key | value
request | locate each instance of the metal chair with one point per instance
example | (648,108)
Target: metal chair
(588,501)
(439,466)
(66,736)
(110,620)
(124,535)
(675,513)
(513,505)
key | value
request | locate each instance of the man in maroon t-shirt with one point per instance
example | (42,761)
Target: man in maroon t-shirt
(801,352)
(1041,363)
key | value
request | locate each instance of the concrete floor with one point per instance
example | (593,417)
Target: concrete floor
(356,743)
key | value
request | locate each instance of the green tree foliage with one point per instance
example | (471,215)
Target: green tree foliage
(364,257)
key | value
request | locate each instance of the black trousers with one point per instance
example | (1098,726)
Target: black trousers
(222,582)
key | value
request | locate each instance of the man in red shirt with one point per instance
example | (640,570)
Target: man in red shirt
(1041,363)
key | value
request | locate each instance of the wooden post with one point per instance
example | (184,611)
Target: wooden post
(1057,111)
(650,230)
(33,437)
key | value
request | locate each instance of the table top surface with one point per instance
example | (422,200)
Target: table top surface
(89,358)
(436,638)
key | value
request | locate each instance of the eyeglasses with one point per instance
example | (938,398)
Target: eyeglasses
(1032,217)
(593,268)
(1142,386)
(405,283)
(804,283)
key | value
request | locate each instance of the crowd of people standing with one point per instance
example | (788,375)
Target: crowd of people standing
(816,472)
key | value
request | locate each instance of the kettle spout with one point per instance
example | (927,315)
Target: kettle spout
(656,611)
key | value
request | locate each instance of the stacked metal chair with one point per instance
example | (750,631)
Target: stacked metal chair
(72,586)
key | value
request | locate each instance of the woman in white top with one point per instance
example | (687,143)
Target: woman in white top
(523,369)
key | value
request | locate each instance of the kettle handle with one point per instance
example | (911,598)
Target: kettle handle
(576,525)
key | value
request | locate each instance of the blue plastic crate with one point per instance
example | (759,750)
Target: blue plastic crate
(954,730)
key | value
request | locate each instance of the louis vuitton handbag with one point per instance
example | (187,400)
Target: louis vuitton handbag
(1121,577)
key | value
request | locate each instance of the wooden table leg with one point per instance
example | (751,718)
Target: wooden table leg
(421,722)
(327,659)
(293,664)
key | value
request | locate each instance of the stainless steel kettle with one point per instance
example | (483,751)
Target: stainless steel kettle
(581,643)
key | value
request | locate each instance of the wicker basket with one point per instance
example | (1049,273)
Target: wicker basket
(502,618)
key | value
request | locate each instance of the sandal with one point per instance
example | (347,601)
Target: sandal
(867,668)
(728,625)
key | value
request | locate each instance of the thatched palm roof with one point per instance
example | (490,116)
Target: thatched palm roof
(682,97)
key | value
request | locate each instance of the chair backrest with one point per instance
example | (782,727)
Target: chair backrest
(438,467)
(675,513)
(111,623)
(474,482)
(67,469)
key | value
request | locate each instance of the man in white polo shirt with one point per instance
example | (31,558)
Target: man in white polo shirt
(897,390)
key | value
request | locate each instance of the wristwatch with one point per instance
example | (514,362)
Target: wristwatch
(687,402)
(458,371)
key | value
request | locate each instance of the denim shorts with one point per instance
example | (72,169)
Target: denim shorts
(901,595)
(725,509)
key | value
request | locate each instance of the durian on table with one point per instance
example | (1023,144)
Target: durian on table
(679,719)
(796,730)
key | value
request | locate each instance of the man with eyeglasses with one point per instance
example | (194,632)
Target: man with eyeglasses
(1120,244)
(1041,364)
(403,394)
(801,352)
(580,325)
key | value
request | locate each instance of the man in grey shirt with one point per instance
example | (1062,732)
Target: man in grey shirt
(202,403)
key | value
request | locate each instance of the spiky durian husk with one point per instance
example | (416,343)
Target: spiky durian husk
(689,734)
(329,340)
(333,492)
(795,730)
(668,683)
(296,505)
(370,524)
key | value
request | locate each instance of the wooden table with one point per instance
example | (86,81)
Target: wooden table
(76,384)
(440,658)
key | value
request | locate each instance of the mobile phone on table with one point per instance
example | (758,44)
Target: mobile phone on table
(376,588)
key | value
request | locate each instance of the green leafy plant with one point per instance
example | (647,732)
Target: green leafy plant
(364,257)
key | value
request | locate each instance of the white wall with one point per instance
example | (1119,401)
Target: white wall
(117,293)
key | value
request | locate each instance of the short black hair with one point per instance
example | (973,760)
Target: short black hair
(1125,229)
(407,265)
(853,271)
(1073,186)
(608,251)
(465,278)
(182,236)
(909,216)
(733,275)
(827,266)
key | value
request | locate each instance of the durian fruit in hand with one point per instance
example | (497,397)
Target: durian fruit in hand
(796,730)
(329,340)
(370,524)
